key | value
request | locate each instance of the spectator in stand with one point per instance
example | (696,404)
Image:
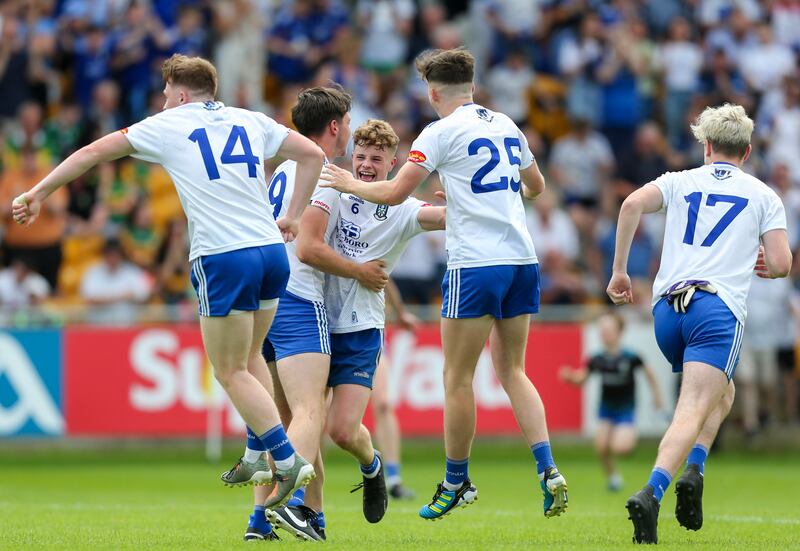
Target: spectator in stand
(641,262)
(780,180)
(188,35)
(770,321)
(578,59)
(63,131)
(386,26)
(681,61)
(721,82)
(292,57)
(92,61)
(239,52)
(14,63)
(172,276)
(26,132)
(133,47)
(114,286)
(515,24)
(643,163)
(580,165)
(766,63)
(21,287)
(346,69)
(551,228)
(140,240)
(41,247)
(618,73)
(779,127)
(509,84)
(734,37)
(712,12)
(785,17)
(561,282)
(105,116)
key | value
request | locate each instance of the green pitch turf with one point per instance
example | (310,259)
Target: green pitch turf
(172,499)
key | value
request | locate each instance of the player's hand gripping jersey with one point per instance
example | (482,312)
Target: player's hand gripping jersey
(365,232)
(716,215)
(304,281)
(215,156)
(478,154)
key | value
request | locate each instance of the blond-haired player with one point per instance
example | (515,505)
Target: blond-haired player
(491,287)
(721,224)
(215,156)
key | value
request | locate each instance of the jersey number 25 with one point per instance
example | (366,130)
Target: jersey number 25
(477,184)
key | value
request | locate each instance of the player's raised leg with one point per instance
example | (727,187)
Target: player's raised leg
(347,409)
(702,389)
(508,343)
(689,487)
(463,340)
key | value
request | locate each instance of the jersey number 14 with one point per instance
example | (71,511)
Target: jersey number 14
(238,134)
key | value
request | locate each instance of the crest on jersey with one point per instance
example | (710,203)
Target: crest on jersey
(484,114)
(722,173)
(417,156)
(212,105)
(380,212)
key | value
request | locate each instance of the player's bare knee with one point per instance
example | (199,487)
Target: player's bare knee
(381,407)
(343,436)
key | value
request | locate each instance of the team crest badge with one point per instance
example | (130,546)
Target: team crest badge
(722,173)
(484,114)
(380,212)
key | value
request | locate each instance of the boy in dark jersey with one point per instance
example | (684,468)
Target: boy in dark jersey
(616,432)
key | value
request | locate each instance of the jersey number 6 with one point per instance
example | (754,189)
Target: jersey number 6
(503,183)
(238,133)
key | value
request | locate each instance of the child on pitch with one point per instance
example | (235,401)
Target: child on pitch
(616,431)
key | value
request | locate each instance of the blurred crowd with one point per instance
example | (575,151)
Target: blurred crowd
(604,89)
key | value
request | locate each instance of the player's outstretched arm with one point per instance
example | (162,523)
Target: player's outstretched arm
(532,181)
(775,256)
(309,158)
(387,192)
(25,208)
(314,251)
(573,376)
(644,200)
(432,218)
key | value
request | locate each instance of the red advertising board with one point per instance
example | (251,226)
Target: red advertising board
(153,381)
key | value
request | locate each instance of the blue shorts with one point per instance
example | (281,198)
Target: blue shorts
(500,291)
(616,415)
(300,327)
(240,279)
(355,357)
(708,332)
(267,350)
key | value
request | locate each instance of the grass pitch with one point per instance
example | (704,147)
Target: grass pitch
(172,499)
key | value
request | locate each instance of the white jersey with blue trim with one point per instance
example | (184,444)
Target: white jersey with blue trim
(304,281)
(366,231)
(478,154)
(215,156)
(716,215)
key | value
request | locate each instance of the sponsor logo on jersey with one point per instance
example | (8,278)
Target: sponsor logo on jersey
(417,156)
(319,204)
(349,229)
(484,114)
(722,173)
(380,212)
(353,317)
(355,199)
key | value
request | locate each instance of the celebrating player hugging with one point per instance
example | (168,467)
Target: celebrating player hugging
(718,217)
(239,263)
(492,283)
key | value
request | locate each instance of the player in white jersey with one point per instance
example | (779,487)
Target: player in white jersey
(365,232)
(215,156)
(492,283)
(298,341)
(721,224)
